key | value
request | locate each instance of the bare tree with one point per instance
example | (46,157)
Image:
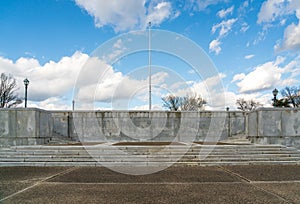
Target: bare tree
(192,103)
(292,95)
(187,103)
(8,97)
(244,105)
(172,102)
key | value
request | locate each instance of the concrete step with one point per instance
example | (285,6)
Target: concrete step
(61,155)
(63,150)
(142,146)
(149,149)
(162,152)
(160,158)
(156,164)
(141,160)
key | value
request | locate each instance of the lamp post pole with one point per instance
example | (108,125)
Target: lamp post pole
(26,83)
(275,92)
(73,105)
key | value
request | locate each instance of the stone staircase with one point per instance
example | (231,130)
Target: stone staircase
(148,155)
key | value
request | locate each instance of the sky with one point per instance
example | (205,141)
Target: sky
(96,52)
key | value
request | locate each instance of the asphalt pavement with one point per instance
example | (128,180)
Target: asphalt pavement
(191,184)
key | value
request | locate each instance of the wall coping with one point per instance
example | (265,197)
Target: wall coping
(24,109)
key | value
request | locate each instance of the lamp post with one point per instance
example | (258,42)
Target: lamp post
(73,105)
(275,92)
(26,83)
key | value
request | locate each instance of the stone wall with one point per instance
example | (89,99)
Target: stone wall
(116,126)
(275,126)
(35,126)
(25,127)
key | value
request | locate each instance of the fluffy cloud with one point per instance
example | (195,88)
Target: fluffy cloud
(224,12)
(267,76)
(272,10)
(201,4)
(291,39)
(129,14)
(211,89)
(53,103)
(122,15)
(53,79)
(100,82)
(224,26)
(263,77)
(238,77)
(52,84)
(215,46)
(159,13)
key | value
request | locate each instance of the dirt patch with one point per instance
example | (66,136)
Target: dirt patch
(77,144)
(218,143)
(147,143)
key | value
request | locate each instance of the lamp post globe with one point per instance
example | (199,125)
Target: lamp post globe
(26,83)
(275,92)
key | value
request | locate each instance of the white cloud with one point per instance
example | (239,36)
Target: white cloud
(262,98)
(118,48)
(122,15)
(160,13)
(215,46)
(270,10)
(53,103)
(238,77)
(211,89)
(52,85)
(146,107)
(54,79)
(245,27)
(291,39)
(249,56)
(224,26)
(224,12)
(99,82)
(282,22)
(129,14)
(263,77)
(201,4)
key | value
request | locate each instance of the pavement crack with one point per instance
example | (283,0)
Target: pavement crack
(252,183)
(271,193)
(61,173)
(235,174)
(38,183)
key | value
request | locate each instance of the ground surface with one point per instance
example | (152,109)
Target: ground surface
(232,184)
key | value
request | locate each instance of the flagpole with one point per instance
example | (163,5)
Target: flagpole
(149,59)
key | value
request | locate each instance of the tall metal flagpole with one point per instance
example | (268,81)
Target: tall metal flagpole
(149,55)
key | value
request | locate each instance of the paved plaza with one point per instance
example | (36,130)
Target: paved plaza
(194,184)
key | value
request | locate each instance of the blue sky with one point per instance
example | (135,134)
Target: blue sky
(254,46)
